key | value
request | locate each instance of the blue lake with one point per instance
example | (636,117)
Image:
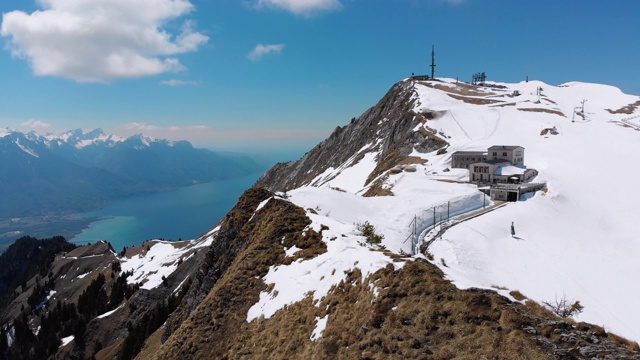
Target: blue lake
(185,213)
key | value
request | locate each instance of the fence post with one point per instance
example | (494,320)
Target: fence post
(434,218)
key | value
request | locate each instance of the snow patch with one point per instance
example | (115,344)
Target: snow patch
(27,150)
(321,324)
(110,312)
(315,277)
(292,250)
(67,340)
(160,261)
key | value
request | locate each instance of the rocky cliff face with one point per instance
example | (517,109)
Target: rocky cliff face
(387,129)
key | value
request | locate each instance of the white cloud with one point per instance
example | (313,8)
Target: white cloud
(176,82)
(98,40)
(136,127)
(301,7)
(261,50)
(36,125)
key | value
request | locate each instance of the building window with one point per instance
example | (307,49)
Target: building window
(495,153)
(504,154)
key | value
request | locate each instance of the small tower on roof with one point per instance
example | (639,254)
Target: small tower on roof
(433,62)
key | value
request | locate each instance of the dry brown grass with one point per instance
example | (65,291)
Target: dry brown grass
(549,111)
(218,327)
(629,109)
(409,160)
(474,101)
(152,343)
(504,105)
(451,181)
(631,345)
(428,132)
(390,160)
(109,353)
(379,188)
(415,315)
(463,89)
(517,295)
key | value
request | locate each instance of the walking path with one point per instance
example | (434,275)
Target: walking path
(430,234)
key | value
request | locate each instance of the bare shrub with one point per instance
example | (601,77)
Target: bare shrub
(564,307)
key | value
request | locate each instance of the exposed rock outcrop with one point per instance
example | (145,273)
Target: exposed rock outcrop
(387,128)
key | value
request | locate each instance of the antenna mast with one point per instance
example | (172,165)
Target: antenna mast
(433,62)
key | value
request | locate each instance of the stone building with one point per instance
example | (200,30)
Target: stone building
(462,159)
(513,154)
(499,164)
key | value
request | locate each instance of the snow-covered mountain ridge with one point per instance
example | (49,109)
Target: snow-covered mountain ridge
(293,270)
(578,239)
(79,139)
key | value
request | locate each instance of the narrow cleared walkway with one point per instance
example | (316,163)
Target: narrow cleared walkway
(427,236)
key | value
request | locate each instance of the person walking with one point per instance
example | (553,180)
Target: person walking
(513,230)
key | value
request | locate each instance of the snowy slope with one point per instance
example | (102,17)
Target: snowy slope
(579,239)
(160,260)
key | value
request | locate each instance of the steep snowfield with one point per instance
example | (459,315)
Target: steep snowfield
(578,240)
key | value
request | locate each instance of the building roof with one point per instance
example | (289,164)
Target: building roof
(481,152)
(509,170)
(492,162)
(505,147)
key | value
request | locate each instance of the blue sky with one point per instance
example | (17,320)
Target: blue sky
(279,74)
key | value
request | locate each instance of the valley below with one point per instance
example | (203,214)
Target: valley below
(67,225)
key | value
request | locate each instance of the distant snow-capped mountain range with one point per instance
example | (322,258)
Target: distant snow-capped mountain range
(79,139)
(78,171)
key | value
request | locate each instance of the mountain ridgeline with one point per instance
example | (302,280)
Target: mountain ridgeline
(281,278)
(76,171)
(389,125)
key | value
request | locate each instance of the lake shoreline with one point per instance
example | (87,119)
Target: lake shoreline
(183,214)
